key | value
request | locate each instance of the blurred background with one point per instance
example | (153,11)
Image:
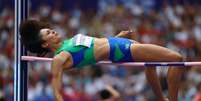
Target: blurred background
(175,24)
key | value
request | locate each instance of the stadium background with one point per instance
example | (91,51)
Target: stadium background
(175,24)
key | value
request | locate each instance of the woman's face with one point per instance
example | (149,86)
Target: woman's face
(50,37)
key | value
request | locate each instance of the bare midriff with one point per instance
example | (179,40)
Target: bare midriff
(101,49)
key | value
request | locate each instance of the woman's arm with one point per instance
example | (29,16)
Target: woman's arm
(127,34)
(57,71)
(123,34)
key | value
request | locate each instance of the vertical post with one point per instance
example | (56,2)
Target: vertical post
(20,68)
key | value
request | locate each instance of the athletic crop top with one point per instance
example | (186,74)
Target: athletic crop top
(81,49)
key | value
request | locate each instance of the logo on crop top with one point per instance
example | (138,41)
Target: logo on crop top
(127,46)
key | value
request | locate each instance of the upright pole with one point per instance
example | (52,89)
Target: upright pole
(20,68)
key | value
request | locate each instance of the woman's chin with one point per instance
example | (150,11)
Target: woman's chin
(59,40)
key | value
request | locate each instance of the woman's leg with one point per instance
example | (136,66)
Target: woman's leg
(150,72)
(173,79)
(153,80)
(153,53)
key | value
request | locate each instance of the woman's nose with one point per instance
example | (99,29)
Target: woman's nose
(53,32)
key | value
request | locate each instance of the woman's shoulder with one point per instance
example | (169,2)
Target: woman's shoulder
(62,55)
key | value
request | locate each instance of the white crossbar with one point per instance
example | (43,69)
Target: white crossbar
(33,58)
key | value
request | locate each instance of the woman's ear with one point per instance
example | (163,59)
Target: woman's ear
(45,45)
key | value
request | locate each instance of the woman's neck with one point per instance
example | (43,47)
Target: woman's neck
(56,46)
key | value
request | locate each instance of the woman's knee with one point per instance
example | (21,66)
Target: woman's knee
(175,56)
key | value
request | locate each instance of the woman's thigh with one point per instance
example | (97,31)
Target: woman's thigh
(150,52)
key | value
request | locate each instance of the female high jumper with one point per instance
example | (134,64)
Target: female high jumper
(81,50)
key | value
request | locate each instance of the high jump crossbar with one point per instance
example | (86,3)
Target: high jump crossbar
(180,64)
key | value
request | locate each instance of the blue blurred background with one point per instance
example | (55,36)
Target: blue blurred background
(175,24)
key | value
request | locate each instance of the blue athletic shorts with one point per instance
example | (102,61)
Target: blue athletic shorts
(120,49)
